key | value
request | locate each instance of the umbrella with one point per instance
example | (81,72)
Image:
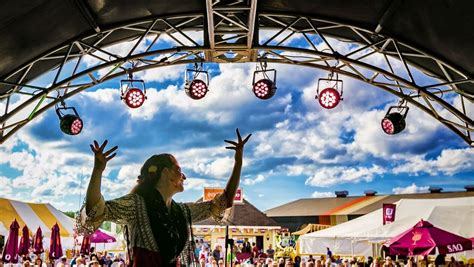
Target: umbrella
(422,238)
(38,242)
(55,249)
(86,245)
(101,237)
(24,242)
(10,252)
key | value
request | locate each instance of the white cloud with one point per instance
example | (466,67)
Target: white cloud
(102,96)
(317,194)
(161,74)
(449,162)
(6,185)
(411,189)
(330,176)
(219,168)
(248,181)
(127,176)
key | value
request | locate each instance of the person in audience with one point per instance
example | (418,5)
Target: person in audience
(216,253)
(452,262)
(388,262)
(375,263)
(39,262)
(328,252)
(440,260)
(270,251)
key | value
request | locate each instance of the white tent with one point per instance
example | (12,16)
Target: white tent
(357,237)
(43,215)
(36,215)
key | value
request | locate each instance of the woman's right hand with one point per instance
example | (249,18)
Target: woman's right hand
(101,157)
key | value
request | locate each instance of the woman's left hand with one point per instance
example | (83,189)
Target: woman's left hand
(239,145)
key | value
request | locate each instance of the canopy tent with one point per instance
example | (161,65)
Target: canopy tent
(357,236)
(423,238)
(43,215)
(34,216)
(109,241)
(99,236)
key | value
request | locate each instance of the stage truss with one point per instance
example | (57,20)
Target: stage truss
(236,33)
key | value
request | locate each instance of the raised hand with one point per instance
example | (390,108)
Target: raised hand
(101,157)
(239,145)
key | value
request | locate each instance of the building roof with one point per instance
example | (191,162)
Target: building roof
(353,205)
(244,215)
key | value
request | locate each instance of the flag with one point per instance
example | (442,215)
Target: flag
(388,213)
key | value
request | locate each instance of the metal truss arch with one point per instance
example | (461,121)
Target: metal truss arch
(239,34)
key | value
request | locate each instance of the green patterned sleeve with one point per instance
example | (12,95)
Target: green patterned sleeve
(121,210)
(215,208)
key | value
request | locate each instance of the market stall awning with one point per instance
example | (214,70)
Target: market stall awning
(33,215)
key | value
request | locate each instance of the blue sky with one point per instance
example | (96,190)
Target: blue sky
(298,150)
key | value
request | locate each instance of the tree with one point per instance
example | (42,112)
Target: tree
(71,214)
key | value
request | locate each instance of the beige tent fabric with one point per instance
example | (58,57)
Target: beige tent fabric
(312,227)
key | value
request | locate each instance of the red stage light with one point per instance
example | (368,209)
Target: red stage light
(387,126)
(264,89)
(393,123)
(134,98)
(70,124)
(329,98)
(76,126)
(197,89)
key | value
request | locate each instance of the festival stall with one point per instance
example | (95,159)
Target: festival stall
(45,216)
(364,235)
(245,222)
(35,215)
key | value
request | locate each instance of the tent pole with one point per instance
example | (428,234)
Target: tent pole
(352,247)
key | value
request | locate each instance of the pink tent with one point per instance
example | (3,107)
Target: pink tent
(422,238)
(101,237)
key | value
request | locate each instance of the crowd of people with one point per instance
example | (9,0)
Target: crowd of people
(93,259)
(259,258)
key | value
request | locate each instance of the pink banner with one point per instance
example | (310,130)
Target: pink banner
(388,213)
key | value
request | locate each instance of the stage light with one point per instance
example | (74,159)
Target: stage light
(194,87)
(134,98)
(264,88)
(330,96)
(394,122)
(70,124)
(131,94)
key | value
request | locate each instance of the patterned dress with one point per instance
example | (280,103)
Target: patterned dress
(130,211)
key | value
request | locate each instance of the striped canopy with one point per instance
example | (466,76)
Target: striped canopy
(34,216)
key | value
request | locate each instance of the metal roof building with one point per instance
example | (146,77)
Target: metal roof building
(335,210)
